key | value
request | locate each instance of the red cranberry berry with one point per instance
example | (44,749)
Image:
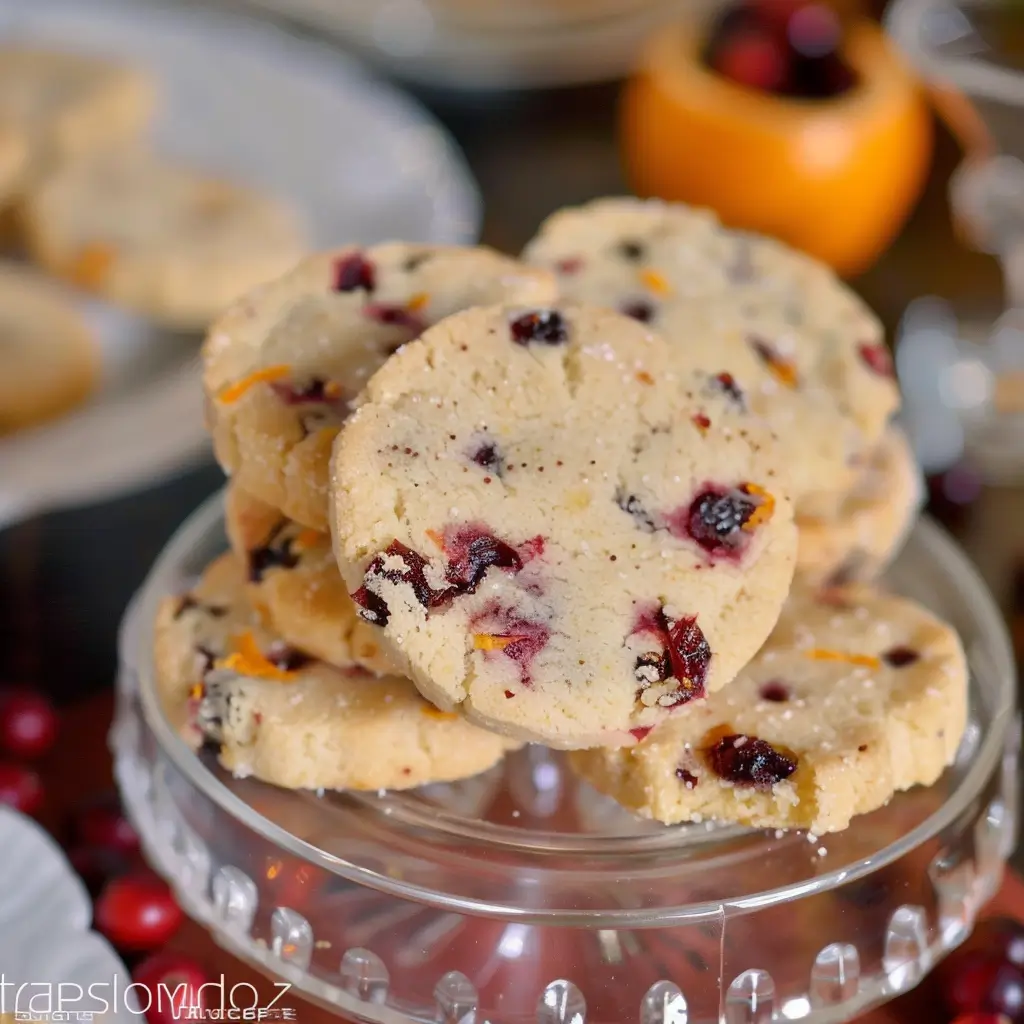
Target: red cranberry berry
(175,984)
(28,724)
(137,913)
(546,326)
(986,974)
(749,761)
(774,691)
(103,825)
(354,272)
(982,1018)
(96,865)
(900,657)
(877,359)
(20,788)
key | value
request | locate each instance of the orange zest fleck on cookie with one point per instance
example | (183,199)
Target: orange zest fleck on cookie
(248,660)
(493,641)
(306,539)
(701,422)
(827,654)
(417,302)
(645,378)
(655,282)
(91,265)
(764,511)
(265,375)
(443,716)
(437,537)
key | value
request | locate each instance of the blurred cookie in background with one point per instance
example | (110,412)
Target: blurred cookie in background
(157,237)
(49,359)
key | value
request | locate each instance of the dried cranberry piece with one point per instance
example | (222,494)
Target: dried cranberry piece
(774,691)
(631,250)
(716,519)
(471,551)
(316,391)
(877,359)
(353,272)
(373,607)
(687,778)
(640,733)
(749,761)
(569,266)
(488,456)
(544,325)
(395,316)
(277,553)
(638,310)
(631,503)
(652,668)
(288,658)
(900,657)
(690,655)
(726,383)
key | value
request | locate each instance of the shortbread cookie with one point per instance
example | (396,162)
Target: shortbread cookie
(555,530)
(294,584)
(66,104)
(856,695)
(872,522)
(283,364)
(802,349)
(13,159)
(158,238)
(285,718)
(49,359)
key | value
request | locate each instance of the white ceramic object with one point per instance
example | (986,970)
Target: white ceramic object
(45,941)
(242,98)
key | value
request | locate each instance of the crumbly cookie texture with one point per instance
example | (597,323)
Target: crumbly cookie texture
(283,717)
(283,365)
(856,695)
(868,530)
(49,359)
(555,530)
(159,238)
(65,104)
(802,349)
(13,160)
(293,583)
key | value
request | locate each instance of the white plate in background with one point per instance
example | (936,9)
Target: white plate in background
(242,98)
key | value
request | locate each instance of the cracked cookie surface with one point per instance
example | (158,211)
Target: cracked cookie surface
(283,717)
(555,530)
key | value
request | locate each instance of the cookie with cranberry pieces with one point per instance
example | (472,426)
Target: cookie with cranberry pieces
(554,529)
(791,341)
(49,358)
(284,364)
(857,695)
(285,718)
(869,528)
(157,237)
(292,581)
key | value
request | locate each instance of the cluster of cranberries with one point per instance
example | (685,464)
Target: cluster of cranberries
(982,982)
(783,47)
(134,909)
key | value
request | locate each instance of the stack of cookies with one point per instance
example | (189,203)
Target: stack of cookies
(624,497)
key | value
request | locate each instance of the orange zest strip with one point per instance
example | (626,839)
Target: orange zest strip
(644,377)
(783,371)
(764,511)
(436,537)
(91,264)
(332,389)
(826,654)
(196,691)
(443,716)
(249,660)
(265,375)
(493,641)
(307,538)
(417,302)
(655,282)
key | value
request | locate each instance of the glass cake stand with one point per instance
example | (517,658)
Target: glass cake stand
(522,895)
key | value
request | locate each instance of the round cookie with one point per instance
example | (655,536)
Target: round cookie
(66,103)
(294,584)
(856,695)
(13,157)
(49,359)
(282,365)
(871,524)
(156,237)
(556,531)
(287,719)
(804,351)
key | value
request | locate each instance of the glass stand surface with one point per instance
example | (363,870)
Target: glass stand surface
(522,895)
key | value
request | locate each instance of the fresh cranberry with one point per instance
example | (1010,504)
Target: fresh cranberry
(20,788)
(471,551)
(102,824)
(715,520)
(749,761)
(354,272)
(986,974)
(96,865)
(638,309)
(877,359)
(982,1018)
(276,553)
(546,326)
(28,724)
(900,657)
(774,691)
(488,456)
(137,913)
(175,984)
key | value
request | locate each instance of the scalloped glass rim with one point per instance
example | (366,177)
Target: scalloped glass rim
(906,21)
(135,643)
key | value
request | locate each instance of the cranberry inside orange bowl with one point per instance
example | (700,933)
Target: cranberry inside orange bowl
(784,122)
